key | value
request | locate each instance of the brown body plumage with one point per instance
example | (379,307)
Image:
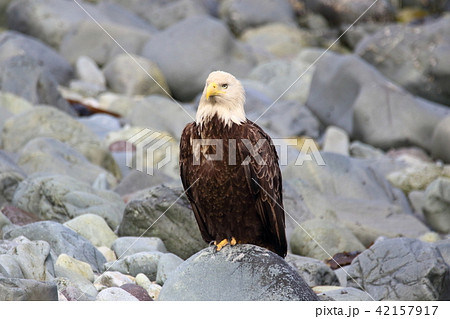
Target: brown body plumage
(240,195)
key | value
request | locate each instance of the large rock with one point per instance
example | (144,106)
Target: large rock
(73,285)
(357,192)
(15,289)
(167,265)
(88,71)
(47,20)
(277,40)
(49,122)
(288,119)
(115,294)
(26,259)
(135,75)
(10,105)
(153,111)
(415,57)
(373,110)
(24,76)
(94,228)
(243,14)
(242,272)
(315,272)
(137,181)
(61,198)
(73,265)
(345,12)
(143,262)
(125,246)
(62,240)
(440,147)
(51,156)
(401,269)
(14,43)
(295,74)
(10,177)
(189,50)
(86,38)
(436,208)
(167,13)
(322,238)
(164,213)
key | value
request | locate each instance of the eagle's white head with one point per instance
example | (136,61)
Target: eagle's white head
(223,96)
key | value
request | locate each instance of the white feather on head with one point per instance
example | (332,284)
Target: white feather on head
(226,100)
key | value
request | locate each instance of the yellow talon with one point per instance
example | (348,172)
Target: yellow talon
(224,242)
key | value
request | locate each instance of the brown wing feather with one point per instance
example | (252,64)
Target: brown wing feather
(266,183)
(188,179)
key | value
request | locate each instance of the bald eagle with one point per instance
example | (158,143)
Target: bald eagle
(230,173)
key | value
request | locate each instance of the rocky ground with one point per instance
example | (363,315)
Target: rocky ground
(78,79)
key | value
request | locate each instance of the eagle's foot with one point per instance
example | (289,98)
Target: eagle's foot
(223,243)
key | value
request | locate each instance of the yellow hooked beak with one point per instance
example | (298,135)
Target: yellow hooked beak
(213,89)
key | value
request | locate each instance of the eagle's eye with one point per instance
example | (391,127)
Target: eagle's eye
(224,86)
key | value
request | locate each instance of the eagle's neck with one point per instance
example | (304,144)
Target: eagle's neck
(228,112)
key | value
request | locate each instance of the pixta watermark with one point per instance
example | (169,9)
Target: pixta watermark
(149,150)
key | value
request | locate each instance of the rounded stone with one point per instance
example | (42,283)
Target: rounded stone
(241,272)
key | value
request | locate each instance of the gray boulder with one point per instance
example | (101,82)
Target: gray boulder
(115,294)
(51,156)
(243,14)
(295,74)
(401,269)
(289,119)
(118,12)
(46,121)
(48,20)
(277,40)
(10,177)
(416,57)
(436,208)
(101,124)
(14,43)
(153,111)
(440,147)
(125,246)
(177,51)
(76,288)
(357,192)
(166,266)
(444,248)
(61,198)
(86,38)
(10,105)
(321,238)
(242,272)
(373,110)
(88,71)
(24,76)
(164,213)
(143,262)
(137,181)
(22,258)
(94,228)
(62,240)
(167,13)
(16,289)
(315,272)
(135,75)
(344,12)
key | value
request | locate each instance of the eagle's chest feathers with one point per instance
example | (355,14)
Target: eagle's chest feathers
(216,144)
